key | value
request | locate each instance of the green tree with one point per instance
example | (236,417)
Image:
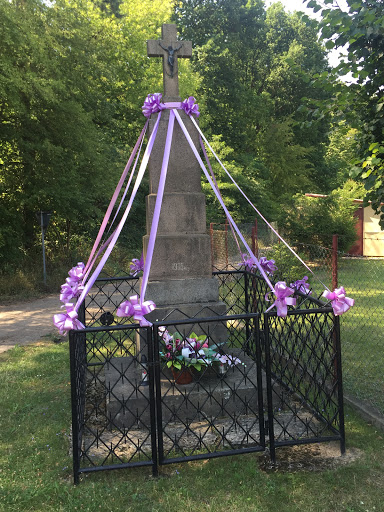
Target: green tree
(255,65)
(313,220)
(359,31)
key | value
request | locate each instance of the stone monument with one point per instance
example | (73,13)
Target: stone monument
(181,272)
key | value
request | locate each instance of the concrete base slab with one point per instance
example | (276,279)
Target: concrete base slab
(210,395)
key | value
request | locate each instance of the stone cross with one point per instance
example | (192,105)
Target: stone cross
(181,271)
(170,49)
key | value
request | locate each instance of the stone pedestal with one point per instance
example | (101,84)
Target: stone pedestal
(181,271)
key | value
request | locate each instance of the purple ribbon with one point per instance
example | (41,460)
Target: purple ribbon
(340,302)
(152,104)
(67,321)
(251,204)
(136,266)
(133,307)
(301,285)
(282,293)
(229,217)
(190,107)
(92,258)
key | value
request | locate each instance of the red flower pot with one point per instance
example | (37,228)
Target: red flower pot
(183,376)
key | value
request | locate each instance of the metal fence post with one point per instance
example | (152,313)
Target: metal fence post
(74,404)
(334,260)
(226,243)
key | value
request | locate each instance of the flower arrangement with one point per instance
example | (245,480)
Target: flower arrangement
(192,352)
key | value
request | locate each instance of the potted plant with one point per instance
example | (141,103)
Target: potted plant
(183,355)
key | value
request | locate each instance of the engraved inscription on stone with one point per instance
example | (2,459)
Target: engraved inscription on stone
(180,267)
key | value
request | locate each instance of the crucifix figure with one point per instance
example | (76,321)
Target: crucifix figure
(170,49)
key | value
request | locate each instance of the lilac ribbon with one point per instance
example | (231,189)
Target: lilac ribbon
(133,307)
(218,190)
(67,321)
(229,217)
(282,293)
(92,259)
(152,104)
(252,205)
(136,266)
(302,286)
(158,203)
(120,226)
(340,303)
(268,265)
(190,107)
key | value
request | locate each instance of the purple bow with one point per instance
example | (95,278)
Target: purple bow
(76,274)
(267,265)
(301,285)
(340,303)
(69,292)
(152,104)
(282,292)
(190,107)
(67,321)
(247,262)
(136,266)
(132,307)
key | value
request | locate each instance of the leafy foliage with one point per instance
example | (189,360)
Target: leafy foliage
(313,220)
(255,64)
(360,31)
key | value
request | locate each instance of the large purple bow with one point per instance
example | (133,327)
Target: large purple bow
(69,292)
(340,303)
(76,274)
(301,285)
(267,265)
(132,307)
(152,104)
(136,266)
(67,321)
(190,107)
(72,287)
(282,293)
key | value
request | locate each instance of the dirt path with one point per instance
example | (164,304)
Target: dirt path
(27,322)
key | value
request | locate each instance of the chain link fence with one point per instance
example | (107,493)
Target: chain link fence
(362,328)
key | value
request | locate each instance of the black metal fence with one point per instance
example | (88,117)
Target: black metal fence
(277,381)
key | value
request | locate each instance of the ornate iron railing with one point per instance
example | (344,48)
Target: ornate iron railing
(129,410)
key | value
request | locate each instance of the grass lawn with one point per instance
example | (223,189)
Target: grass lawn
(35,463)
(362,329)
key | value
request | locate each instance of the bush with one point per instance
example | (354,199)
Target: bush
(289,268)
(313,220)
